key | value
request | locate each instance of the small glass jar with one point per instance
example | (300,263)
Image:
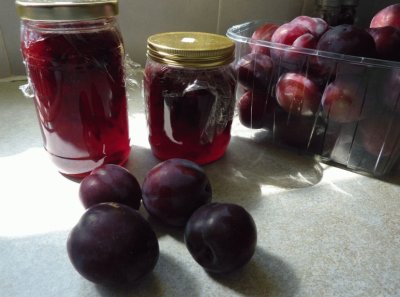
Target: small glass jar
(329,10)
(73,54)
(348,12)
(189,88)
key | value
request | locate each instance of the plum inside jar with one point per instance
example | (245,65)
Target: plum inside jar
(189,109)
(76,72)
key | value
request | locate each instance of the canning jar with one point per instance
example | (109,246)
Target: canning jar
(348,12)
(329,10)
(73,53)
(189,88)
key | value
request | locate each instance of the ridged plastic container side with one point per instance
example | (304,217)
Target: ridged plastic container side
(341,108)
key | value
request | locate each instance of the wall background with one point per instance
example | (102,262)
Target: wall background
(140,18)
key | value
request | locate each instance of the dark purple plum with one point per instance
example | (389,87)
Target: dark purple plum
(348,40)
(110,183)
(221,237)
(113,245)
(174,189)
(254,71)
(343,39)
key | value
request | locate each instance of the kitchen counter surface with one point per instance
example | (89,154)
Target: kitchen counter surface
(322,230)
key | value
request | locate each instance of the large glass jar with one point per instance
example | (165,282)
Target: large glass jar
(189,88)
(73,53)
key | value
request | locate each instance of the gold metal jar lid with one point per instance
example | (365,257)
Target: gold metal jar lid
(191,49)
(66,10)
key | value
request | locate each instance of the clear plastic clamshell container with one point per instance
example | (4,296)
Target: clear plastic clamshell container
(341,108)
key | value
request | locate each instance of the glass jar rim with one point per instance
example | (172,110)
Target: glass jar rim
(191,49)
(66,10)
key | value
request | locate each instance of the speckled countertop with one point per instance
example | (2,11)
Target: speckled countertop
(322,231)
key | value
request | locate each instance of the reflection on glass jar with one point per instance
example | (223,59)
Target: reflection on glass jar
(75,69)
(189,88)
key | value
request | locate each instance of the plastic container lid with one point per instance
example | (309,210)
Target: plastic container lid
(66,10)
(191,49)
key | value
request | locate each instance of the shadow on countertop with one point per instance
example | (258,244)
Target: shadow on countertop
(239,176)
(249,166)
(247,160)
(167,279)
(265,275)
(140,161)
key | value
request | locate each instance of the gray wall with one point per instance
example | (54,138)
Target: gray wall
(140,18)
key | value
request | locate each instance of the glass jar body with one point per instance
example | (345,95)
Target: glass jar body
(348,14)
(76,73)
(189,111)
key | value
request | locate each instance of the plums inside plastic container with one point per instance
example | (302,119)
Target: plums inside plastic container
(298,94)
(299,132)
(387,42)
(391,92)
(388,16)
(301,32)
(263,32)
(221,237)
(255,109)
(316,26)
(348,40)
(380,134)
(343,99)
(329,84)
(113,245)
(254,71)
(344,39)
(174,189)
(294,35)
(110,183)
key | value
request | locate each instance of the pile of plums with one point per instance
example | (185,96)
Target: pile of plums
(306,82)
(114,245)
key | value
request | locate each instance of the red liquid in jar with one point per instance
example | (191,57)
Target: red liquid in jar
(78,81)
(189,111)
